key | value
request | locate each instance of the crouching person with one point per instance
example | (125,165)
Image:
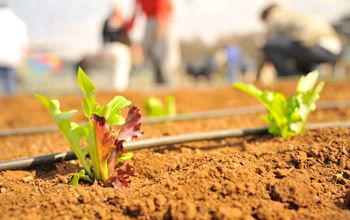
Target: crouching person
(298,42)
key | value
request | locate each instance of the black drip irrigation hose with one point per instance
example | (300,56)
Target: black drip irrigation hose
(31,162)
(180,117)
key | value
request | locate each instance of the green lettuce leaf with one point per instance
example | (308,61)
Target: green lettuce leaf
(73,132)
(287,117)
(154,107)
(78,176)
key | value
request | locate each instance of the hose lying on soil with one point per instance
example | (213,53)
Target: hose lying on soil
(26,163)
(180,117)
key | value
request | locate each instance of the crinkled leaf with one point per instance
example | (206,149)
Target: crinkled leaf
(113,158)
(110,146)
(132,127)
(129,131)
(121,178)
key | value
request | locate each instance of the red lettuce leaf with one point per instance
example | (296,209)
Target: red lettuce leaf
(105,137)
(110,146)
(121,179)
(129,131)
(131,128)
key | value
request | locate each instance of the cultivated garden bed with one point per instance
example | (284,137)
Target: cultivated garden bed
(249,177)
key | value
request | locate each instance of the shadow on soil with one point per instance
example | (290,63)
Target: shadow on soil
(49,172)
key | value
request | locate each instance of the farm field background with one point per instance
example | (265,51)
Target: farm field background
(250,177)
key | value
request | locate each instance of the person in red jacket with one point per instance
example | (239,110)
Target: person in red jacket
(160,44)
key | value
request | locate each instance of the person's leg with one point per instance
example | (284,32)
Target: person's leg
(166,54)
(159,56)
(148,38)
(234,69)
(7,80)
(173,57)
(121,65)
(3,81)
(149,45)
(232,73)
(11,80)
(159,72)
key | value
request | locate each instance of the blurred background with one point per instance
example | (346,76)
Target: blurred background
(194,42)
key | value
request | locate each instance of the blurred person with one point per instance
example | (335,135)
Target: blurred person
(234,63)
(297,42)
(117,43)
(160,44)
(234,60)
(13,40)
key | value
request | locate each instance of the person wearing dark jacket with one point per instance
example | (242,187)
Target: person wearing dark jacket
(117,43)
(297,42)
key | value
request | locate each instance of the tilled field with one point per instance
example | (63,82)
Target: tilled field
(250,177)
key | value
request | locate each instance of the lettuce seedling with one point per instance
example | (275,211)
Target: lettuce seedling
(287,117)
(103,156)
(155,108)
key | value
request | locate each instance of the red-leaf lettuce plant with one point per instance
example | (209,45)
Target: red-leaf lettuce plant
(103,156)
(287,117)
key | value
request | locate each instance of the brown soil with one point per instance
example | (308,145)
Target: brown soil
(252,177)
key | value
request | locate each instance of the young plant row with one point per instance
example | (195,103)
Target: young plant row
(100,149)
